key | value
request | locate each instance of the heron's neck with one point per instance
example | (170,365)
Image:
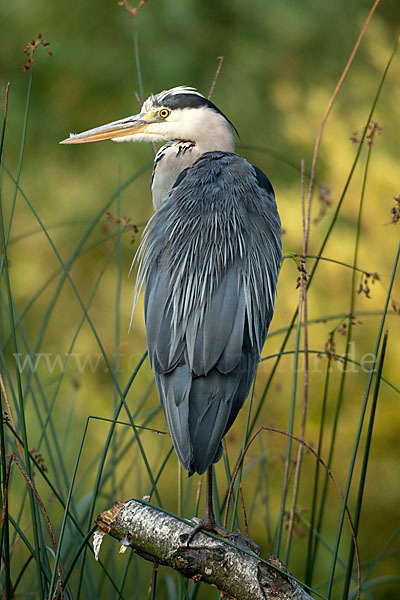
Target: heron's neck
(178,155)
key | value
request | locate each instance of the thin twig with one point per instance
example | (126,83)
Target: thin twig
(132,11)
(303,213)
(138,100)
(246,525)
(10,416)
(303,290)
(330,104)
(13,458)
(214,81)
(6,101)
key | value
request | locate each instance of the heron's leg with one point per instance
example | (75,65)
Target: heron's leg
(208,522)
(209,517)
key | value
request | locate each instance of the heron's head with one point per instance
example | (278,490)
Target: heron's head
(181,113)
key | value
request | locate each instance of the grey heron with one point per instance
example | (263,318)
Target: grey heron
(209,260)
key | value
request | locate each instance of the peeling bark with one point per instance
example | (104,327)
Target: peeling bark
(161,538)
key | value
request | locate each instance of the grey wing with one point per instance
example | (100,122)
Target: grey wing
(204,373)
(207,315)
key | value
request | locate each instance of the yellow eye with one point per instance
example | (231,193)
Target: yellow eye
(164,112)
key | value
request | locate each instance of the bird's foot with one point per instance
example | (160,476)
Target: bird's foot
(209,524)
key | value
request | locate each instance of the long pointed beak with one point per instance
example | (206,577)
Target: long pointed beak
(110,131)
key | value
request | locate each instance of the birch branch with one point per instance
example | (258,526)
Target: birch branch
(162,538)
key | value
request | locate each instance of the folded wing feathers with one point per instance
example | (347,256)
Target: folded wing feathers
(210,260)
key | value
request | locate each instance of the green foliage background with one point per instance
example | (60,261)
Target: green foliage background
(282,61)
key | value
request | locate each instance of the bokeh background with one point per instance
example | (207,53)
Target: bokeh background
(282,61)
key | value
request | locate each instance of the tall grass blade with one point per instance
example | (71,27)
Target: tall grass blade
(4,238)
(363,474)
(360,427)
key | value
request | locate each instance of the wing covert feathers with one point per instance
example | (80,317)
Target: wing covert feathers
(209,258)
